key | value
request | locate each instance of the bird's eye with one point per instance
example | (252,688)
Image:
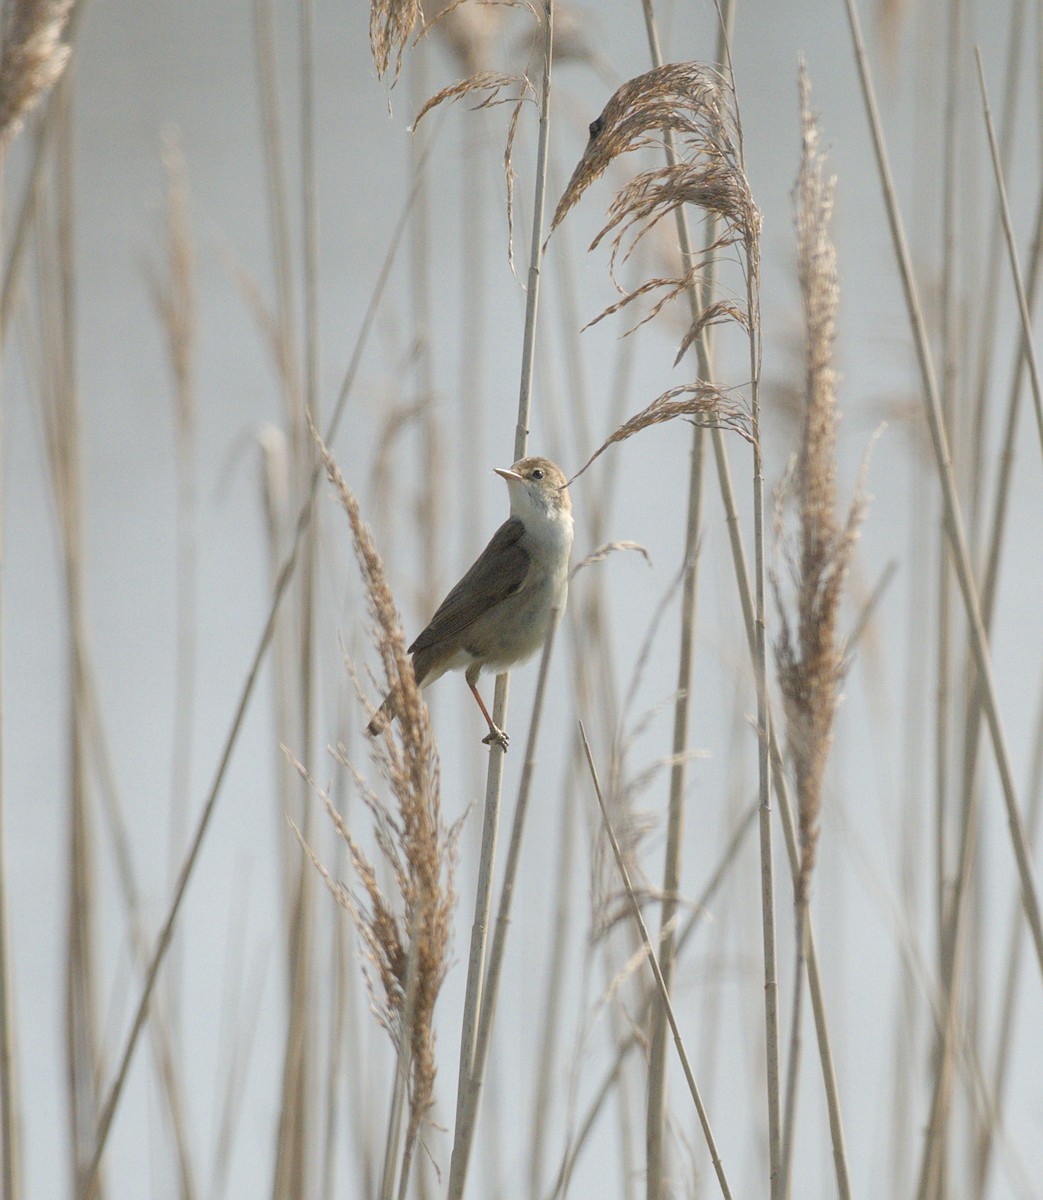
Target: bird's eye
(538,473)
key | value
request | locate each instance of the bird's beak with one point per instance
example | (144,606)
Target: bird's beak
(509,475)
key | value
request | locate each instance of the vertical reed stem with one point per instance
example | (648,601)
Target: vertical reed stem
(469,1080)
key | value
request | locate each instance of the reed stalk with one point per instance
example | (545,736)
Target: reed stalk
(698,299)
(475,1013)
(653,962)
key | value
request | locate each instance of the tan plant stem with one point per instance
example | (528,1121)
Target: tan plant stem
(943,696)
(1014,960)
(764,766)
(468,1118)
(468,1084)
(634,1040)
(764,759)
(993,259)
(789,829)
(401,1083)
(82,1030)
(954,519)
(480,925)
(108,1110)
(789,1122)
(1012,251)
(653,961)
(655,1119)
(292,1163)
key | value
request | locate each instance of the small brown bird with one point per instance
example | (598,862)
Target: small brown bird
(499,614)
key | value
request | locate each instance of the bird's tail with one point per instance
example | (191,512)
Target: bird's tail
(384,715)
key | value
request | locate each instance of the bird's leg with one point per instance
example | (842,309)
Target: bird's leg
(495,735)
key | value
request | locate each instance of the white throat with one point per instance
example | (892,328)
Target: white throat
(548,524)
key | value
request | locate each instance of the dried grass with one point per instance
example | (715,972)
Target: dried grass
(695,103)
(406,934)
(491,83)
(808,653)
(603,552)
(33,58)
(391,22)
(705,401)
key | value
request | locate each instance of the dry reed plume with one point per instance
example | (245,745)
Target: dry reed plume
(809,656)
(406,936)
(33,58)
(390,24)
(491,83)
(705,401)
(694,102)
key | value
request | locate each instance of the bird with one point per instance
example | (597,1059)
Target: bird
(499,614)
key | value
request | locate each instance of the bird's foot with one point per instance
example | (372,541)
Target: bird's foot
(497,737)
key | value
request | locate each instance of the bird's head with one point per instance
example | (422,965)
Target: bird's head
(537,487)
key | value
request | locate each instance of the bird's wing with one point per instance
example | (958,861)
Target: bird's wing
(499,571)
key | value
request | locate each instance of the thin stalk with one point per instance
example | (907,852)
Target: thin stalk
(987,315)
(474,315)
(789,828)
(911,765)
(771,985)
(291,1175)
(175,301)
(943,706)
(532,293)
(467,1119)
(480,925)
(789,1123)
(653,962)
(474,1001)
(634,1038)
(550,1020)
(760,669)
(655,1118)
(275,441)
(108,1111)
(592,677)
(944,634)
(83,1043)
(1012,251)
(278,208)
(431,453)
(400,1086)
(1004,1039)
(954,519)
